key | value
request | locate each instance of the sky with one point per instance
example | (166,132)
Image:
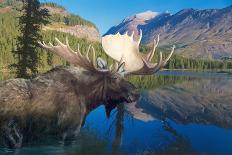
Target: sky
(107,13)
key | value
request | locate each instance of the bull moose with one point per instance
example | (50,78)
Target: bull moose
(57,102)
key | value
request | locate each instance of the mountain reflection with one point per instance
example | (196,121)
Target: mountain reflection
(204,101)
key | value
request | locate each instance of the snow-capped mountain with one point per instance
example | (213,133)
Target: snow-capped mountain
(196,33)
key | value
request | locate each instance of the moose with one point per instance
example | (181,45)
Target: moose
(57,102)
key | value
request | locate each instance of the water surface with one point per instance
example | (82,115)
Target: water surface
(178,113)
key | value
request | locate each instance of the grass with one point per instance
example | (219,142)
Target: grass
(57,25)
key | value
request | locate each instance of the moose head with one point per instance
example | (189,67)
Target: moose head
(110,81)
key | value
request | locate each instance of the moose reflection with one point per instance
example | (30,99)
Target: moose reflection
(57,102)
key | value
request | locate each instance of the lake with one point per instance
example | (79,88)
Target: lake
(178,113)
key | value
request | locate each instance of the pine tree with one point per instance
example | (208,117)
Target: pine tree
(26,54)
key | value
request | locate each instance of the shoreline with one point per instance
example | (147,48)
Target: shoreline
(192,70)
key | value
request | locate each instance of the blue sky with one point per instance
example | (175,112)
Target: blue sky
(106,13)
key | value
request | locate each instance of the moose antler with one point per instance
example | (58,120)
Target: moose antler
(122,48)
(76,58)
(126,48)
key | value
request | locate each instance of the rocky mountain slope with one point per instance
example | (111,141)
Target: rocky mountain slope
(63,21)
(196,33)
(80,31)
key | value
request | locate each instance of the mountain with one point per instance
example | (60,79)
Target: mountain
(196,33)
(61,20)
(131,23)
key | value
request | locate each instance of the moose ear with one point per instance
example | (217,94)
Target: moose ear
(102,64)
(121,69)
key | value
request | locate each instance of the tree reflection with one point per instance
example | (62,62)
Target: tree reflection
(180,145)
